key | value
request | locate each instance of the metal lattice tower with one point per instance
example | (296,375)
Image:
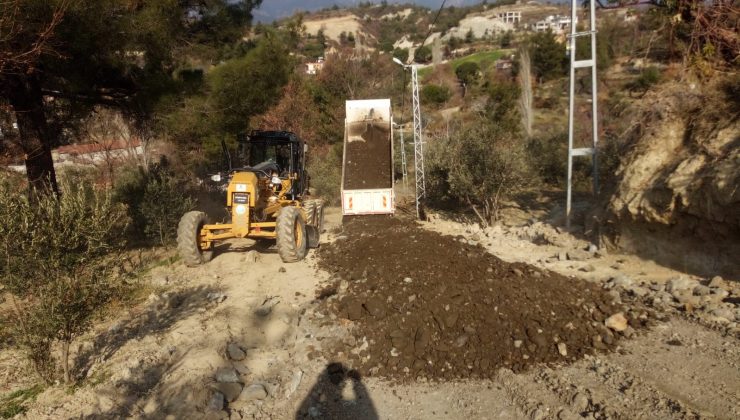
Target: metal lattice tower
(418,141)
(578,64)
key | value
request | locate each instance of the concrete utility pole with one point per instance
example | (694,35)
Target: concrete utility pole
(578,64)
(418,139)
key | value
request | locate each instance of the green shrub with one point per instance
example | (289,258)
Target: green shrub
(156,200)
(549,157)
(423,54)
(435,94)
(648,77)
(57,259)
(401,54)
(481,165)
(326,174)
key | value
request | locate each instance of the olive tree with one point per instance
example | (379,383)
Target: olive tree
(57,262)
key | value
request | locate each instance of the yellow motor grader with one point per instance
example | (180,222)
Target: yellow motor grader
(267,199)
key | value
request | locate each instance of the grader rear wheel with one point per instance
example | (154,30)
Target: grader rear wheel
(291,235)
(319,218)
(188,239)
(311,206)
(314,218)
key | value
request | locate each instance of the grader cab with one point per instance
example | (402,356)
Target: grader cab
(266,197)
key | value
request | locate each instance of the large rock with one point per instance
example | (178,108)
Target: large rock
(718,281)
(215,401)
(226,375)
(616,322)
(230,390)
(622,281)
(578,255)
(235,352)
(254,392)
(680,283)
(724,313)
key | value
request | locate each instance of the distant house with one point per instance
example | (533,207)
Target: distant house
(94,153)
(512,16)
(504,64)
(315,67)
(556,23)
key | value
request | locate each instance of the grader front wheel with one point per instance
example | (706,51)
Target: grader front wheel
(188,239)
(291,235)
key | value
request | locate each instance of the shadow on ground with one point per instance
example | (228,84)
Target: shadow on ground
(337,394)
(157,316)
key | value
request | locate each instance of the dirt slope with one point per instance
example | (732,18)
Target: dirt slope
(678,183)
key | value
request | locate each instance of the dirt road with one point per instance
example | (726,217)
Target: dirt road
(165,358)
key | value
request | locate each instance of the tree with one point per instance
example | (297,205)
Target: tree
(423,54)
(506,39)
(484,161)
(548,56)
(232,93)
(525,84)
(401,54)
(480,165)
(467,72)
(470,36)
(59,58)
(454,42)
(56,262)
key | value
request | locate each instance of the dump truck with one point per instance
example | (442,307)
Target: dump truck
(266,197)
(367,163)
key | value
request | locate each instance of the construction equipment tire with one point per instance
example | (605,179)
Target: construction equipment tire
(291,234)
(310,207)
(188,239)
(319,219)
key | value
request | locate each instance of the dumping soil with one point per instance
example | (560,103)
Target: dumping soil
(439,307)
(367,156)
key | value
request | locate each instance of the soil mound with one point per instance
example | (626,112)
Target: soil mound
(368,156)
(438,307)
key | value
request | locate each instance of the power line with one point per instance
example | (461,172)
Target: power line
(434,22)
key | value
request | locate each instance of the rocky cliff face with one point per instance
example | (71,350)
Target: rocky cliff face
(678,198)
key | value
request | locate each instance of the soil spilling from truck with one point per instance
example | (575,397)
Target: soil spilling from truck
(438,307)
(368,156)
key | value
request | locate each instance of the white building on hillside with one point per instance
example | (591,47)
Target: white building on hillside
(557,24)
(315,67)
(512,16)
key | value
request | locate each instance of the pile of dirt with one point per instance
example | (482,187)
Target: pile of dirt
(437,307)
(367,156)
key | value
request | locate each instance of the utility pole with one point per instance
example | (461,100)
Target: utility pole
(418,142)
(420,192)
(577,64)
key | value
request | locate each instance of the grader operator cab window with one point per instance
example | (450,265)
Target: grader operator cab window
(259,153)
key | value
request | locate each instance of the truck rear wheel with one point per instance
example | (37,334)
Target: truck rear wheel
(188,239)
(291,234)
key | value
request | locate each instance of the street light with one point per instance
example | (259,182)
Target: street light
(418,140)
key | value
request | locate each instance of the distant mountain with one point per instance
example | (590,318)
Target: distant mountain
(277,9)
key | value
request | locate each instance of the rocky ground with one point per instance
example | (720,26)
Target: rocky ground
(247,336)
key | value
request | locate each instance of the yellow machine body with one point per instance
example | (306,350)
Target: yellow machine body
(253,204)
